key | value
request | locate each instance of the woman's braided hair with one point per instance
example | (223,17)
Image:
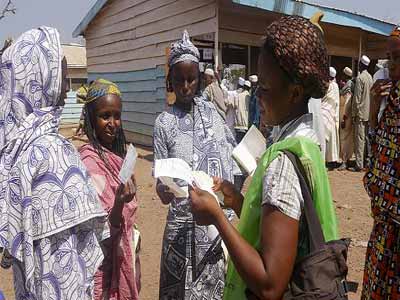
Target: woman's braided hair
(299,47)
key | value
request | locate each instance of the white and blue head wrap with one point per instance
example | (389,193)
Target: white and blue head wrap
(44,187)
(183,50)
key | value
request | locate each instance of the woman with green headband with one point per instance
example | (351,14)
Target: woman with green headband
(119,275)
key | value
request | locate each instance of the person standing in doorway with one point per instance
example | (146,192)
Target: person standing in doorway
(242,102)
(214,93)
(346,127)
(254,111)
(360,111)
(330,111)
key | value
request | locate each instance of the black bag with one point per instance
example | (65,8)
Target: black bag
(322,273)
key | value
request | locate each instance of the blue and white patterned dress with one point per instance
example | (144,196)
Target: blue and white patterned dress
(192,262)
(51,222)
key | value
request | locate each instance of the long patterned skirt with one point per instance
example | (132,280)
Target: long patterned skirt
(382,263)
(192,262)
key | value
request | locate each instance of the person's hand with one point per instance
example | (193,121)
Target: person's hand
(379,91)
(228,190)
(205,208)
(126,192)
(163,193)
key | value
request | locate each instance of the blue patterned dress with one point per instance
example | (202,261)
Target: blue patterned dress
(192,262)
(51,222)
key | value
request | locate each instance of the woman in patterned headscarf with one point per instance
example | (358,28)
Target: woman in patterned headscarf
(118,278)
(49,212)
(192,262)
(382,182)
(272,234)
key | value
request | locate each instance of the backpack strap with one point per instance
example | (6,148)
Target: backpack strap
(316,237)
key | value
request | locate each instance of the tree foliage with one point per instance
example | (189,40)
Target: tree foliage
(9,8)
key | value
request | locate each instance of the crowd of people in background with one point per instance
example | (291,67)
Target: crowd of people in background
(345,111)
(67,222)
(340,116)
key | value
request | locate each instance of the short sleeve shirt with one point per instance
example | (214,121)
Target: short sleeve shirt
(281,185)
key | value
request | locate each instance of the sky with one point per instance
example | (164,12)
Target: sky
(65,15)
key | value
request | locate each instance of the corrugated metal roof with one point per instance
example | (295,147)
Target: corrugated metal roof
(289,7)
(344,10)
(76,55)
(332,15)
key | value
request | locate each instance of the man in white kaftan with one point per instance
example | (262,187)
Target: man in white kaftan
(330,113)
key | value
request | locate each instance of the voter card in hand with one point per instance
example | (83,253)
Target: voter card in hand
(178,169)
(250,149)
(173,168)
(128,165)
(166,170)
(205,182)
(174,188)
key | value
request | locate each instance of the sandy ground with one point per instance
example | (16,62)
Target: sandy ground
(350,199)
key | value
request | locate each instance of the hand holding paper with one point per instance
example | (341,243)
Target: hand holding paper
(174,168)
(128,165)
(250,150)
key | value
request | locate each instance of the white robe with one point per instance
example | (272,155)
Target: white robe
(229,98)
(314,107)
(330,112)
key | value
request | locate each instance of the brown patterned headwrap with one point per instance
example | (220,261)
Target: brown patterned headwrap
(299,47)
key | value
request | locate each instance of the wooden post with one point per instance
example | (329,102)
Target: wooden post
(216,40)
(360,47)
(249,60)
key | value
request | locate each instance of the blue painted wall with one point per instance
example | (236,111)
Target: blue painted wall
(72,110)
(143,97)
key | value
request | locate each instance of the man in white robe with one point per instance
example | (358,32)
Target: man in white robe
(330,113)
(346,126)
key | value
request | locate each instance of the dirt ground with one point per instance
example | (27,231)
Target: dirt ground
(350,199)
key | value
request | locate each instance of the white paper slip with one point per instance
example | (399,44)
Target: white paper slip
(174,168)
(250,149)
(206,183)
(128,165)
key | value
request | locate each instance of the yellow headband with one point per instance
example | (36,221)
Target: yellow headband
(99,88)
